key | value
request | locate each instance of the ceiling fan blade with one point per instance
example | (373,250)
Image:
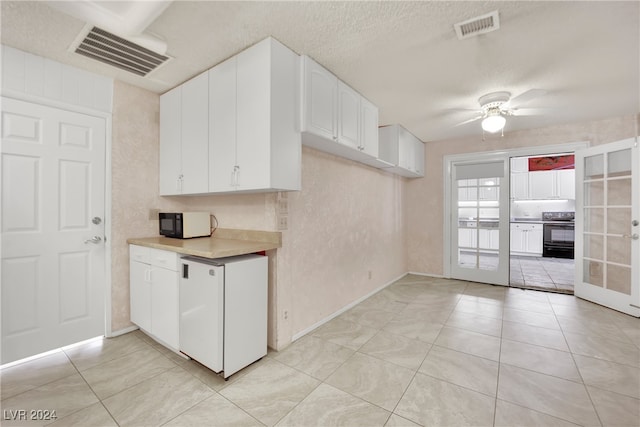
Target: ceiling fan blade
(469,121)
(523,98)
(530,111)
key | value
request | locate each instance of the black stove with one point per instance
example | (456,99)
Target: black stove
(559,234)
(558,216)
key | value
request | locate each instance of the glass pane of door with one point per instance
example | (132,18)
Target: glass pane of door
(609,228)
(477,190)
(478,216)
(607,217)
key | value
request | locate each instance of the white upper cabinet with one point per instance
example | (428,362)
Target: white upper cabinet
(542,185)
(320,100)
(348,116)
(566,184)
(369,129)
(184,138)
(336,118)
(170,142)
(234,127)
(554,184)
(254,143)
(402,150)
(222,126)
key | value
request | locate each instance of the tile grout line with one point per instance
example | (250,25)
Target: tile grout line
(423,359)
(576,365)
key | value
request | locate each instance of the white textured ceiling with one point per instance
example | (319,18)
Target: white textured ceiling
(403,56)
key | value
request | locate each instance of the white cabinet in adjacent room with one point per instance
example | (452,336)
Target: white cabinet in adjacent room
(154,293)
(542,185)
(566,184)
(526,239)
(184,131)
(254,143)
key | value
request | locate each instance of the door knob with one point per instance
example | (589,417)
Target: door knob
(96,220)
(634,236)
(94,240)
(634,222)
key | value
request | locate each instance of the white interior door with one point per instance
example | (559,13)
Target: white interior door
(53,253)
(480,221)
(607,249)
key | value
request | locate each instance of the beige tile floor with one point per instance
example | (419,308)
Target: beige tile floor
(424,351)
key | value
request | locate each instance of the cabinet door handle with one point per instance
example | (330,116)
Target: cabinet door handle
(179,183)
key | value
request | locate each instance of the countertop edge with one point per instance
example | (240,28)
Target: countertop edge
(209,247)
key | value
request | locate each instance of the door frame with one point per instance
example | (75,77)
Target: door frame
(448,162)
(108,332)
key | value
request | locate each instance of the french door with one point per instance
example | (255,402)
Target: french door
(479,240)
(53,205)
(607,250)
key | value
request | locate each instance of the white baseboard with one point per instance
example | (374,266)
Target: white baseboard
(122,331)
(343,309)
(437,276)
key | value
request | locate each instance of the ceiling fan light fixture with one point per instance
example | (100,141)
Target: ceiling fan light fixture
(494,122)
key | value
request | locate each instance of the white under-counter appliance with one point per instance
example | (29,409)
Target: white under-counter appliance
(223,311)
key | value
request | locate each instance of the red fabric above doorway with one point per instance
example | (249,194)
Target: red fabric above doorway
(549,163)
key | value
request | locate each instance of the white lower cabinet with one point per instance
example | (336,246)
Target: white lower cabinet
(153,282)
(526,239)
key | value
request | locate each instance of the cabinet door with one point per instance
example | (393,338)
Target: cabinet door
(418,155)
(164,306)
(222,126)
(170,139)
(253,143)
(369,128)
(519,165)
(140,294)
(320,103)
(520,186)
(484,239)
(517,239)
(566,180)
(534,240)
(542,184)
(495,240)
(195,135)
(405,150)
(348,116)
(245,313)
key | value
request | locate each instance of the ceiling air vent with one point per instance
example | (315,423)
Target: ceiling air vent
(478,25)
(118,52)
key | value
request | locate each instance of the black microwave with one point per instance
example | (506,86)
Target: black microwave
(185,225)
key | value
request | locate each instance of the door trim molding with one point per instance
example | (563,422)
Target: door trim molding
(46,102)
(448,161)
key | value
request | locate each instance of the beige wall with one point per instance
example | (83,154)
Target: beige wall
(347,221)
(425,196)
(134,181)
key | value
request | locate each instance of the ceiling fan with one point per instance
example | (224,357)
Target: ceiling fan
(496,106)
